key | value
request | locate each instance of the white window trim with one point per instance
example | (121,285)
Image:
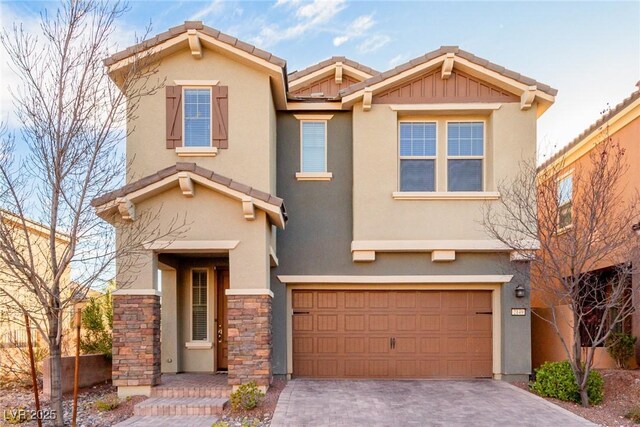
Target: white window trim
(314,176)
(199,343)
(185,150)
(483,157)
(569,226)
(434,158)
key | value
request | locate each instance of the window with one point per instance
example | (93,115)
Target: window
(314,146)
(197,117)
(417,156)
(199,330)
(465,156)
(565,196)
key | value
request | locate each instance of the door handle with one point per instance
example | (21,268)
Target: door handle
(220,334)
(394,343)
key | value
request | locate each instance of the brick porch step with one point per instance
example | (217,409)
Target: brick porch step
(164,406)
(208,391)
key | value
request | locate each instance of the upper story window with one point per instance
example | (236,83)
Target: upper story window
(565,197)
(313,145)
(417,156)
(197,117)
(465,156)
(199,301)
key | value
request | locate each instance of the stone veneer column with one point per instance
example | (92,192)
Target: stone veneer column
(136,341)
(249,339)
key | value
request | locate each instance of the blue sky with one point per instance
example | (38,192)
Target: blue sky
(589,51)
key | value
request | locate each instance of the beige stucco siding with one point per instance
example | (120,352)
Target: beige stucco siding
(207,216)
(510,137)
(250,157)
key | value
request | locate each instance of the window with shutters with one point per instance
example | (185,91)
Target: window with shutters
(197,117)
(465,156)
(313,146)
(417,156)
(565,197)
(199,305)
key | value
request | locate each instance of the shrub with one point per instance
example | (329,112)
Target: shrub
(634,414)
(107,404)
(556,379)
(97,320)
(247,396)
(620,346)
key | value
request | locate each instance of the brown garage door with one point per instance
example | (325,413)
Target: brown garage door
(392,334)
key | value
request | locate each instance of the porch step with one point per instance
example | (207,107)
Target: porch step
(173,391)
(166,406)
(172,421)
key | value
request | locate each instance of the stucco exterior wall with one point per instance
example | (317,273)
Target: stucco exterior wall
(510,137)
(317,240)
(249,157)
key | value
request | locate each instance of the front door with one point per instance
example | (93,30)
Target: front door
(222,349)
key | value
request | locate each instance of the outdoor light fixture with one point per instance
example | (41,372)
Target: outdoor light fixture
(520,292)
(636,228)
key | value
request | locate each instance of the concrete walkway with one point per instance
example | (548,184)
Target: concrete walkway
(416,403)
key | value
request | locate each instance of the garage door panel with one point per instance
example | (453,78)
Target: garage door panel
(437,334)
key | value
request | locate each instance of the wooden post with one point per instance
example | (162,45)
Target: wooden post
(76,375)
(34,378)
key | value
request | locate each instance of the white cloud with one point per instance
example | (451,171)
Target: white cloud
(309,16)
(213,8)
(356,29)
(397,60)
(373,43)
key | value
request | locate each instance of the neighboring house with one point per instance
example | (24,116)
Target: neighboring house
(13,333)
(382,271)
(622,125)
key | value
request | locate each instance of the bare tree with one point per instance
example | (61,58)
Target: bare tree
(73,124)
(581,229)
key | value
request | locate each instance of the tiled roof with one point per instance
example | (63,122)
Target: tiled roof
(322,64)
(439,52)
(190,167)
(605,118)
(195,25)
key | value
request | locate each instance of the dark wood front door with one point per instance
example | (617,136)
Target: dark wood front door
(222,349)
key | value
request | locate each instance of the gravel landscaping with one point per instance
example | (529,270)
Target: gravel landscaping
(258,417)
(621,394)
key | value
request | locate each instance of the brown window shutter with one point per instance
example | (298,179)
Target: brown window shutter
(174,116)
(219,133)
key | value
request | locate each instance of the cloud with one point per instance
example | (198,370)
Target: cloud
(397,60)
(373,43)
(213,8)
(356,29)
(308,16)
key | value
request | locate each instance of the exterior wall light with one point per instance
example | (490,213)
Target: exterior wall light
(636,229)
(520,291)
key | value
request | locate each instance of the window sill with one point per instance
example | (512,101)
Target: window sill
(198,345)
(314,176)
(197,151)
(449,195)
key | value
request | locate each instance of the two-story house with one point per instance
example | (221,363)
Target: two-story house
(377,268)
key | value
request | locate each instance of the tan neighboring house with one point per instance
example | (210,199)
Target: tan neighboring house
(622,124)
(12,330)
(376,268)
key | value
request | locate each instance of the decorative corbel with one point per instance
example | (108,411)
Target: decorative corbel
(126,208)
(194,44)
(338,72)
(447,65)
(248,209)
(186,184)
(527,97)
(367,98)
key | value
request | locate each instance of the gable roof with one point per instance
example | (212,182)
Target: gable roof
(195,25)
(595,127)
(443,50)
(295,75)
(274,206)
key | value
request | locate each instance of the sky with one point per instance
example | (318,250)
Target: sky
(589,51)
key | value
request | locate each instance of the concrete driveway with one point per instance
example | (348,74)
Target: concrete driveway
(416,403)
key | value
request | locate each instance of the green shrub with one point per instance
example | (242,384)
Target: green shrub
(107,404)
(556,379)
(620,346)
(97,321)
(247,396)
(220,424)
(634,414)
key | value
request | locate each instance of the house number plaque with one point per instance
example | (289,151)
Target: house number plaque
(518,311)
